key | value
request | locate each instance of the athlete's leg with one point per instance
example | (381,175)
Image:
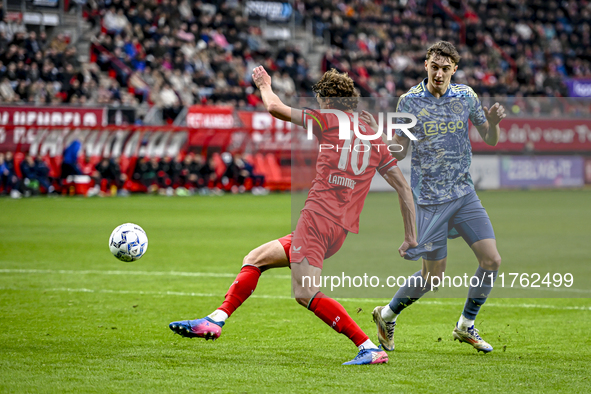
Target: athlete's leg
(481,285)
(487,254)
(432,227)
(305,277)
(304,281)
(473,224)
(267,256)
(415,287)
(489,261)
(270,255)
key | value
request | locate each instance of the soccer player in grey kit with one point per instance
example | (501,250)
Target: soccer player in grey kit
(446,203)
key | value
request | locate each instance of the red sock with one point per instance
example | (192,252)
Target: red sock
(333,314)
(241,289)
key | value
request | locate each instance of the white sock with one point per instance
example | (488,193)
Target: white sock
(218,315)
(367,345)
(464,324)
(388,314)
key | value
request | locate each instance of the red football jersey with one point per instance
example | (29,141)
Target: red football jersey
(345,170)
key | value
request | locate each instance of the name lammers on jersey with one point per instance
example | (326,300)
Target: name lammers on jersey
(341,181)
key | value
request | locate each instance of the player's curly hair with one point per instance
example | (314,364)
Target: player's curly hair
(339,88)
(444,49)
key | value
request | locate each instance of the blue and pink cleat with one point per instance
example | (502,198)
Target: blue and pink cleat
(369,356)
(198,328)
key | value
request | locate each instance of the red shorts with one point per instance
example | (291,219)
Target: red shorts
(315,238)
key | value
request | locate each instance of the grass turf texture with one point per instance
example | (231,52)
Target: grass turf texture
(74,319)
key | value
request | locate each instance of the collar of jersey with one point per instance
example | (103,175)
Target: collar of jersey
(428,93)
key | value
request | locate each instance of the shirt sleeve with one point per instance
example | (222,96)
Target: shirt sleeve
(477,115)
(319,123)
(386,162)
(403,106)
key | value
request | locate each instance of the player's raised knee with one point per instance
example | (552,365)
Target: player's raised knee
(303,295)
(491,263)
(250,259)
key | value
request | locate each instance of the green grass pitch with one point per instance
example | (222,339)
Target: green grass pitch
(74,319)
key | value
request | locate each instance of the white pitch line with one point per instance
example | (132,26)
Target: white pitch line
(210,275)
(283,297)
(138,273)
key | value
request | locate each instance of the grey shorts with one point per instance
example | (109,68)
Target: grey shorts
(464,217)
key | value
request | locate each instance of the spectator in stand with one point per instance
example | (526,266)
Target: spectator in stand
(258,181)
(59,43)
(108,175)
(176,167)
(35,173)
(10,29)
(169,103)
(284,85)
(145,173)
(208,175)
(235,174)
(87,167)
(189,173)
(5,178)
(70,161)
(7,93)
(115,21)
(165,175)
(10,181)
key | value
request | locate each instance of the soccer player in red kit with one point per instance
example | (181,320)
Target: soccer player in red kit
(332,210)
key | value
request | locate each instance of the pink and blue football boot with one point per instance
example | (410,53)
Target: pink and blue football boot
(369,356)
(198,328)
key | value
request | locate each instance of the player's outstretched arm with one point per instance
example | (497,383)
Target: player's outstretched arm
(272,102)
(490,130)
(395,178)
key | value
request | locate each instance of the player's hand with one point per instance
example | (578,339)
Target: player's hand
(405,246)
(260,77)
(369,119)
(495,114)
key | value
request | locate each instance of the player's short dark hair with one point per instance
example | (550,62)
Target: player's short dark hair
(444,49)
(339,88)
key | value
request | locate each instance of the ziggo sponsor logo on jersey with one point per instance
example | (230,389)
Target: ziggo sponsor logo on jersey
(433,127)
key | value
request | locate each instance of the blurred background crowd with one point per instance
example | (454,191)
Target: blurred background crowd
(176,53)
(25,174)
(168,55)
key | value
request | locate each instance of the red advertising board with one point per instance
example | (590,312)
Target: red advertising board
(216,121)
(107,141)
(212,117)
(266,131)
(19,138)
(538,135)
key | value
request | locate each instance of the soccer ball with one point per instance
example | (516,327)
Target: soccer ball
(128,242)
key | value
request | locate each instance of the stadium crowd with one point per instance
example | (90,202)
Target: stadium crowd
(538,42)
(24,174)
(205,52)
(38,70)
(178,54)
(175,53)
